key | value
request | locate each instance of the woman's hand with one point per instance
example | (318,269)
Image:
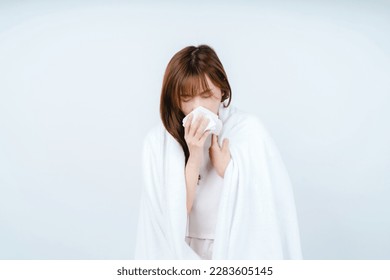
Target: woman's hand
(195,137)
(219,157)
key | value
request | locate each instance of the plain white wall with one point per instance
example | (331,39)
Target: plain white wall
(79,89)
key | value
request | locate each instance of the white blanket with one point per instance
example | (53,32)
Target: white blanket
(257,216)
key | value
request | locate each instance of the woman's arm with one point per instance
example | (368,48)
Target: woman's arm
(195,136)
(192,175)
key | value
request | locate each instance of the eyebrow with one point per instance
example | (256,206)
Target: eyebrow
(207,90)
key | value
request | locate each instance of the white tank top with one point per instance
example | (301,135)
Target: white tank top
(203,216)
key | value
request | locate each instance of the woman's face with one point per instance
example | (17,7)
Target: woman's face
(208,99)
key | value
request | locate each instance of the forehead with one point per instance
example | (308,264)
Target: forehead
(195,85)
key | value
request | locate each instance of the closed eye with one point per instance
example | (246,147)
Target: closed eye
(206,94)
(185,98)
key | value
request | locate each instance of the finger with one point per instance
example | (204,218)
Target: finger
(205,122)
(195,125)
(215,141)
(225,145)
(204,136)
(187,126)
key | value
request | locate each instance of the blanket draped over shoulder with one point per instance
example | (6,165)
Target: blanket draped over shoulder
(256,217)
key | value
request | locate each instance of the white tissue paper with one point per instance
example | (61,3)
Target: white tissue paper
(215,124)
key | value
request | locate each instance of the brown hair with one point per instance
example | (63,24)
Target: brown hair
(186,76)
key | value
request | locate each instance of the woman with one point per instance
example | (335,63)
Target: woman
(212,194)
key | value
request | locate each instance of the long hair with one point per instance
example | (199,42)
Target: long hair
(185,75)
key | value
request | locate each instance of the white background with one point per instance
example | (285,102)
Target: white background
(79,88)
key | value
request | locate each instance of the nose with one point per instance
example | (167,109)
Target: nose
(197,101)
